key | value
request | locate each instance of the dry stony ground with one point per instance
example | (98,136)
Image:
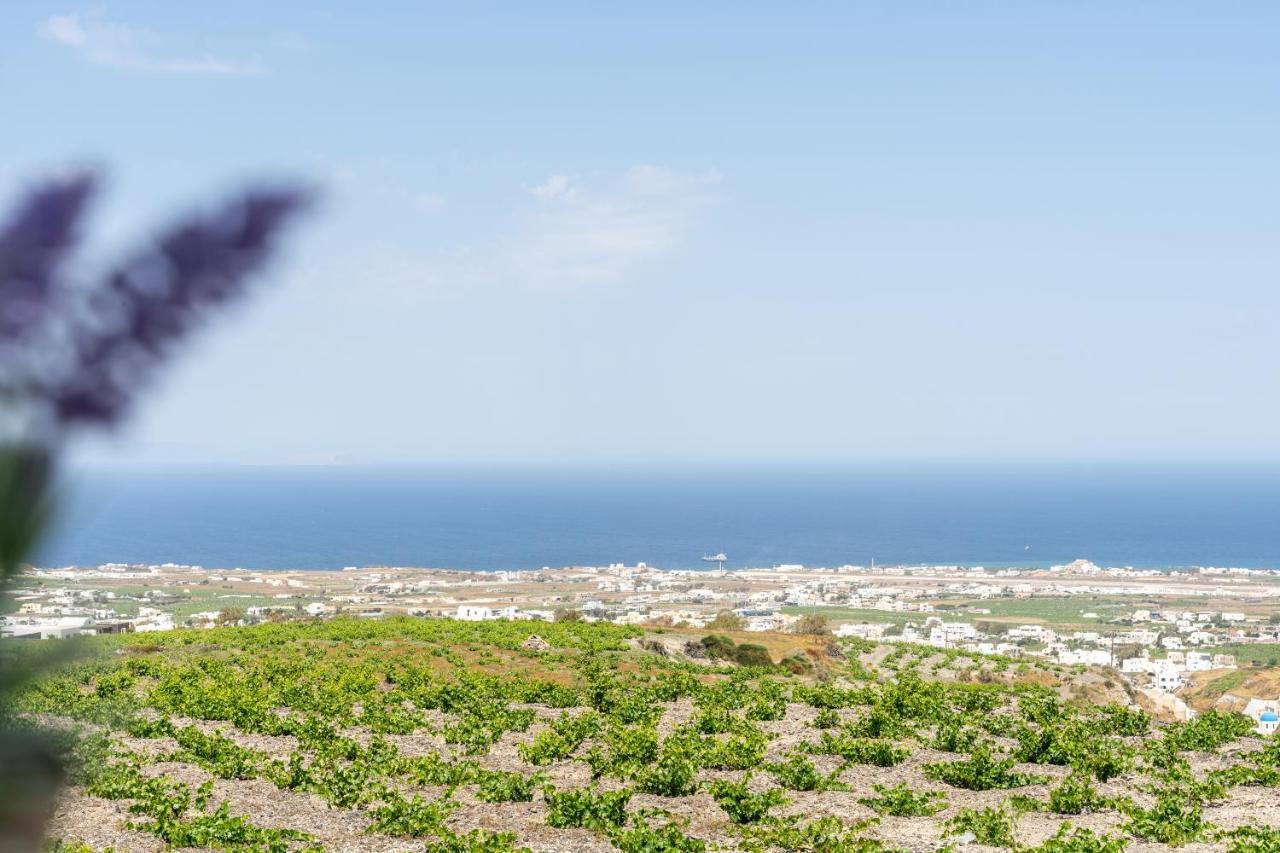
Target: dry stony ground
(358,661)
(100,823)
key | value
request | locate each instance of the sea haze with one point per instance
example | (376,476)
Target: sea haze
(330,517)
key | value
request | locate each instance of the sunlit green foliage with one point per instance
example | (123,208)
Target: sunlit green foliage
(740,804)
(901,801)
(586,808)
(342,696)
(990,826)
(982,771)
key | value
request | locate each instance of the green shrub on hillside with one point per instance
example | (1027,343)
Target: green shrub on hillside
(587,808)
(740,804)
(1171,821)
(642,837)
(980,772)
(798,773)
(901,800)
(1080,840)
(990,826)
(752,654)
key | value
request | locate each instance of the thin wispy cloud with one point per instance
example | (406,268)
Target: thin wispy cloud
(555,187)
(114,44)
(565,234)
(582,236)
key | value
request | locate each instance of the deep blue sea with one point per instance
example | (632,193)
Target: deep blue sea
(330,517)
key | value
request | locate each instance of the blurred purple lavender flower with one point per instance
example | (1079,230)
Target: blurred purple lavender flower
(74,357)
(154,299)
(32,245)
(70,358)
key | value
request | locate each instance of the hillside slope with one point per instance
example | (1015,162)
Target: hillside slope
(414,734)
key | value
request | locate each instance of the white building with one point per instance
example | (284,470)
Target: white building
(1088,657)
(159,622)
(475,613)
(543,615)
(948,634)
(1034,633)
(1199,662)
(1136,665)
(1166,677)
(57,628)
(865,631)
(1137,637)
(1265,714)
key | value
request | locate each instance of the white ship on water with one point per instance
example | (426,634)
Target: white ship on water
(719,559)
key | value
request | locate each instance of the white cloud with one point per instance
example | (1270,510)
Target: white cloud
(119,45)
(555,187)
(65,29)
(569,234)
(581,237)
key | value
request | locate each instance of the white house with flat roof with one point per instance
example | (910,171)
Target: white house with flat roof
(476,613)
(1166,677)
(56,628)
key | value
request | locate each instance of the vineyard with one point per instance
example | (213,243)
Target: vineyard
(432,735)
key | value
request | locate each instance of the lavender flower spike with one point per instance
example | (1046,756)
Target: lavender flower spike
(154,300)
(32,244)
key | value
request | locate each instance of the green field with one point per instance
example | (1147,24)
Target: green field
(184,609)
(200,599)
(856,614)
(1055,612)
(1262,654)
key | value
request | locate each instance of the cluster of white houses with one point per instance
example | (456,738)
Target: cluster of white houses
(1157,666)
(60,627)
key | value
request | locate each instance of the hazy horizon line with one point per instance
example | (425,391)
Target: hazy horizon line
(675,465)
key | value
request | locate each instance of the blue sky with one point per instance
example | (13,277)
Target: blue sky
(561,233)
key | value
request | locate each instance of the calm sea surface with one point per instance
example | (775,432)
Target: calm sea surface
(348,516)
